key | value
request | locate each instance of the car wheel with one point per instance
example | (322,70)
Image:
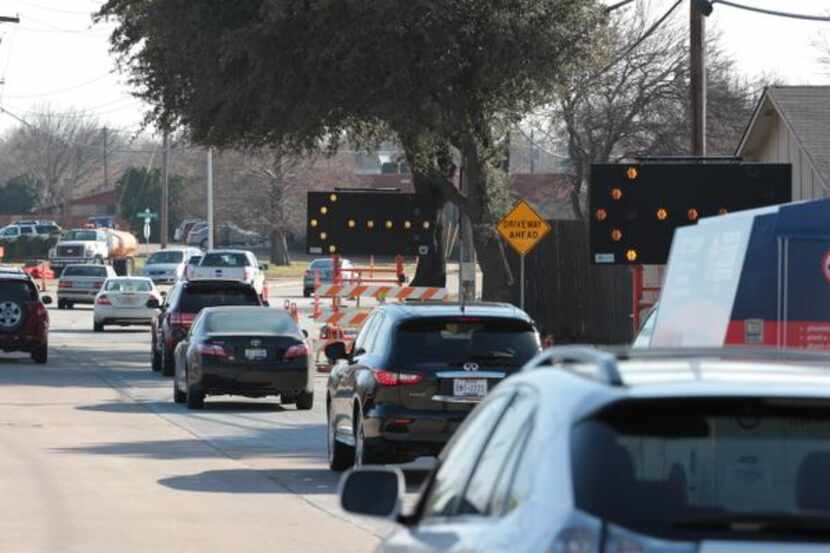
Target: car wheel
(178,395)
(341,456)
(97,327)
(364,454)
(156,360)
(288,399)
(70,305)
(306,293)
(195,398)
(61,304)
(168,364)
(98,260)
(41,355)
(12,315)
(305,401)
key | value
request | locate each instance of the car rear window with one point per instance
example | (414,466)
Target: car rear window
(132,285)
(46,229)
(196,298)
(85,271)
(704,467)
(455,340)
(17,290)
(259,320)
(166,257)
(194,260)
(225,260)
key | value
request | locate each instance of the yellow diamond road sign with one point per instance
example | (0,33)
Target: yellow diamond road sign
(523,227)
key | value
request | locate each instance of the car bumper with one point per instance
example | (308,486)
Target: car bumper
(123,315)
(424,432)
(257,381)
(61,262)
(26,342)
(77,296)
(163,279)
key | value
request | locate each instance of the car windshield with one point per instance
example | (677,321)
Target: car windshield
(225,260)
(194,299)
(85,271)
(259,320)
(82,235)
(132,285)
(701,466)
(456,340)
(46,229)
(194,260)
(165,257)
(321,264)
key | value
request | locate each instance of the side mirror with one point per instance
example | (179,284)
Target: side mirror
(266,303)
(47,300)
(305,333)
(335,351)
(373,491)
(153,303)
(263,267)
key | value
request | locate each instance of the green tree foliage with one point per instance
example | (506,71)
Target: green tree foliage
(445,77)
(139,189)
(19,195)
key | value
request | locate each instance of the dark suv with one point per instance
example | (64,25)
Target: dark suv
(24,321)
(180,308)
(414,372)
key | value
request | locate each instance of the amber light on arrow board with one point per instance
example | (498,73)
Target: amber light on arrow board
(616,193)
(693,214)
(601,215)
(662,214)
(631,255)
(632,173)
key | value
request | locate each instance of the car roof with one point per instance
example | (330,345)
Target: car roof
(148,279)
(235,308)
(214,282)
(413,310)
(245,252)
(585,387)
(23,277)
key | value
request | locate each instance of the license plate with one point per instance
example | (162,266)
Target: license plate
(469,387)
(256,354)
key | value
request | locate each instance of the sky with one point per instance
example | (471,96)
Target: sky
(56,57)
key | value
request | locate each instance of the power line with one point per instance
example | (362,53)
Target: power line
(772,12)
(56,10)
(62,90)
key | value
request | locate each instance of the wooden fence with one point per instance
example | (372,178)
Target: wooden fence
(568,297)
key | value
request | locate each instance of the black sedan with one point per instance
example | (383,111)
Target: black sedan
(248,351)
(414,373)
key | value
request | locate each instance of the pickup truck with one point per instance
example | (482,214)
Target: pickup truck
(240,265)
(94,245)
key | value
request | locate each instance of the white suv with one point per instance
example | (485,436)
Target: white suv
(239,265)
(641,451)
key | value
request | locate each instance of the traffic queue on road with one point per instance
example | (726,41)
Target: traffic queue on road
(566,449)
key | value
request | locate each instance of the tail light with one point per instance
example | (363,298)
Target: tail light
(181,319)
(300,350)
(98,284)
(103,300)
(387,378)
(39,310)
(576,540)
(249,273)
(213,350)
(65,284)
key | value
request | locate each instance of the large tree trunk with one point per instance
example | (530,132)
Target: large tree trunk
(279,248)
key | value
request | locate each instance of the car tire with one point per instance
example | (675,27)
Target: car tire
(195,398)
(156,360)
(305,401)
(178,395)
(288,399)
(12,315)
(306,293)
(363,453)
(41,355)
(98,260)
(61,304)
(168,364)
(70,305)
(341,456)
(97,327)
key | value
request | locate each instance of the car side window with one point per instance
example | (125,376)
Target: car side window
(486,490)
(381,339)
(365,333)
(371,344)
(447,486)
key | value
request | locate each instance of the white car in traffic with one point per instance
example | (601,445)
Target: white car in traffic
(123,301)
(240,265)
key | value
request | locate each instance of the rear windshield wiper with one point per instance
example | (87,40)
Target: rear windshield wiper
(495,357)
(811,522)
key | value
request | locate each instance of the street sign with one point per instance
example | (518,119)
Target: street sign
(523,227)
(635,208)
(147,215)
(369,223)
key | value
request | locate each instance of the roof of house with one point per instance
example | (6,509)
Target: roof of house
(805,110)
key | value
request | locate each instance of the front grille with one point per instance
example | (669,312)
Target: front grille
(70,251)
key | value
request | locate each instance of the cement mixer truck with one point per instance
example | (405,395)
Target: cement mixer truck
(95,245)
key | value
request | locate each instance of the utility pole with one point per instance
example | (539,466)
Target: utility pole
(9,19)
(106,161)
(210,197)
(532,154)
(165,190)
(699,9)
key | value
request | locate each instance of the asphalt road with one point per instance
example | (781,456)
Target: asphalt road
(96,457)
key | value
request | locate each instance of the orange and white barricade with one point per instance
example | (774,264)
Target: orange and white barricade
(382,293)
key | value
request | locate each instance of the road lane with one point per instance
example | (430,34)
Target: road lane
(97,457)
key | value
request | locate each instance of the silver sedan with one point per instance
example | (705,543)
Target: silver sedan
(123,301)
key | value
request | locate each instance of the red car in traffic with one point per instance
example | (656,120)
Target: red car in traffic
(24,320)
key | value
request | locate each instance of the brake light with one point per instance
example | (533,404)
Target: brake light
(103,300)
(300,350)
(181,319)
(249,273)
(213,350)
(65,284)
(387,378)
